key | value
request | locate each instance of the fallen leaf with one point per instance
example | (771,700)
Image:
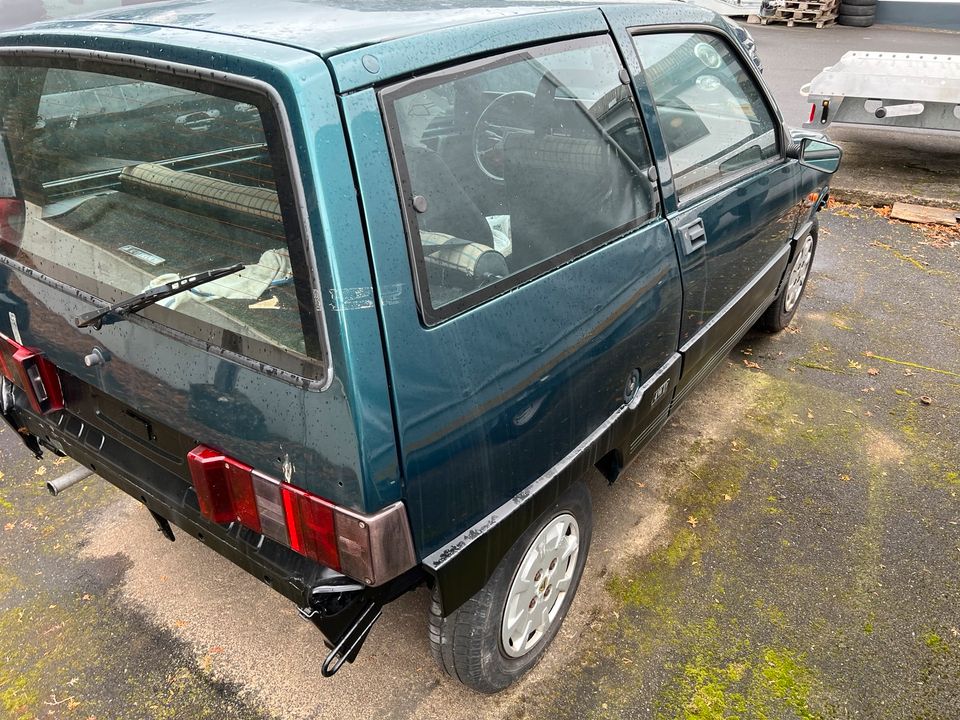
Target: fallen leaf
(926,400)
(868,413)
(909,373)
(85,596)
(809,414)
(692,521)
(752,365)
(727,497)
(844,477)
(180,623)
(42,470)
(747,351)
(10,526)
(873,372)
(854,365)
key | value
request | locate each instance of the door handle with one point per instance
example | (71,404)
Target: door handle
(693,236)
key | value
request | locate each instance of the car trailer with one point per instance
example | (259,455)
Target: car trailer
(906,90)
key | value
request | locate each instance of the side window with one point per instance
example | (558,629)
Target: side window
(509,167)
(712,115)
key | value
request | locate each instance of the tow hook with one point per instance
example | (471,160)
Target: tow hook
(58,485)
(344,611)
(352,640)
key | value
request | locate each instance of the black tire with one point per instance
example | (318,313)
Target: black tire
(782,310)
(861,3)
(467,643)
(855,21)
(857,10)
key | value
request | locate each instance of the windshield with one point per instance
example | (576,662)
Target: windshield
(129,182)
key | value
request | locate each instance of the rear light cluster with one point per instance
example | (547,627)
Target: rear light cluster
(11,221)
(33,374)
(373,548)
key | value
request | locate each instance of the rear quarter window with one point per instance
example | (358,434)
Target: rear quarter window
(512,166)
(131,178)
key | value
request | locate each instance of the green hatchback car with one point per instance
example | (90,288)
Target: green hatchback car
(355,293)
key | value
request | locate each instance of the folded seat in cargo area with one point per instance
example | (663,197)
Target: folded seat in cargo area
(161,223)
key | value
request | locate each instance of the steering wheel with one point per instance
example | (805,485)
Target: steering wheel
(506,113)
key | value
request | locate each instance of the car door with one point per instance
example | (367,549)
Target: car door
(734,198)
(530,272)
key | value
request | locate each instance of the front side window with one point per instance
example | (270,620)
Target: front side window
(712,114)
(130,179)
(509,167)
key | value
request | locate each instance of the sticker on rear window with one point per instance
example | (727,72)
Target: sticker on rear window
(140,254)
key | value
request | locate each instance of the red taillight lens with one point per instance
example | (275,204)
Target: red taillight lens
(11,221)
(372,548)
(813,111)
(311,526)
(229,490)
(33,374)
(224,487)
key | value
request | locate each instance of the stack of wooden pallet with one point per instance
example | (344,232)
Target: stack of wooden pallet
(822,13)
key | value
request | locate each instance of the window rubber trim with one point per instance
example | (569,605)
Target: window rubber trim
(431,316)
(287,145)
(754,74)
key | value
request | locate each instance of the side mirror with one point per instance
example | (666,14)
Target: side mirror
(819,155)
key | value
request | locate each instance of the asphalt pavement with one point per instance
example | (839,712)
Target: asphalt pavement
(880,166)
(787,547)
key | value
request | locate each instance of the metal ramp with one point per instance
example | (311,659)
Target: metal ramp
(887,89)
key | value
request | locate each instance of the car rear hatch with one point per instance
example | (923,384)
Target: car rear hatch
(121,173)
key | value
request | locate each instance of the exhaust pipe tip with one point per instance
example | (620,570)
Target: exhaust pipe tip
(58,485)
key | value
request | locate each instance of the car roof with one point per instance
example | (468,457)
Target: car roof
(325,27)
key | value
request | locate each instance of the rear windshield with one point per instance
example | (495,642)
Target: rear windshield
(129,179)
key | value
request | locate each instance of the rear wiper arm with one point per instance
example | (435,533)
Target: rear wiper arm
(119,311)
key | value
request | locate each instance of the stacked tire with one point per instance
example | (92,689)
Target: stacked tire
(857,13)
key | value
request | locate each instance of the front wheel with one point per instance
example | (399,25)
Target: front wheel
(784,307)
(502,631)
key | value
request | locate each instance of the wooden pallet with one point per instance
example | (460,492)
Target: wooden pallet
(822,5)
(805,15)
(791,21)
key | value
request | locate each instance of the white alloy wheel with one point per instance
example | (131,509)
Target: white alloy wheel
(540,585)
(798,275)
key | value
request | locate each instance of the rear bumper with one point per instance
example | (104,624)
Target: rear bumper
(332,601)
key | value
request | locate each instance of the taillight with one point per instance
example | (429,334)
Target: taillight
(11,221)
(813,111)
(311,525)
(33,374)
(224,487)
(373,548)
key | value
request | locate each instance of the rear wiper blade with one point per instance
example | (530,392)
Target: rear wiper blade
(119,311)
